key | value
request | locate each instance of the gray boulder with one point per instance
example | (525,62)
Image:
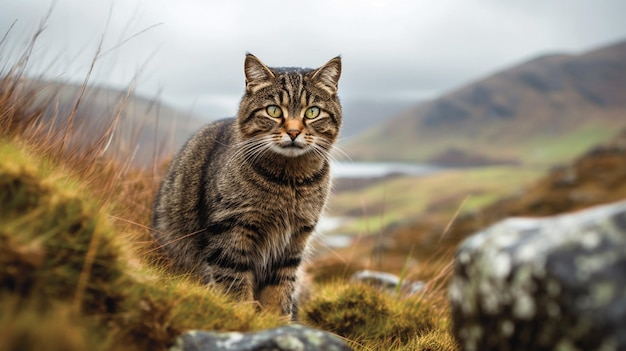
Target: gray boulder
(556,283)
(289,338)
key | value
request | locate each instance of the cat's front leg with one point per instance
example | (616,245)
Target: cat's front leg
(279,297)
(231,276)
(278,290)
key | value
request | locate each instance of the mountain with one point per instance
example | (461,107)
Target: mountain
(546,110)
(359,114)
(147,131)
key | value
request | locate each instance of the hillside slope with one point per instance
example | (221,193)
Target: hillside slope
(548,109)
(147,129)
(597,177)
(430,239)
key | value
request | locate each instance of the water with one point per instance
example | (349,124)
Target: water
(327,225)
(364,170)
(379,169)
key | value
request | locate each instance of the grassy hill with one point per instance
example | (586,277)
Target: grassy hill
(146,129)
(428,237)
(547,110)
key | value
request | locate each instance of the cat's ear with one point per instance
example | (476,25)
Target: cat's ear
(257,74)
(327,76)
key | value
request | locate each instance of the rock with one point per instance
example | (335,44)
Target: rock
(556,283)
(289,338)
(388,282)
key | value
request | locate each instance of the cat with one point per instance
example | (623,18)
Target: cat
(240,201)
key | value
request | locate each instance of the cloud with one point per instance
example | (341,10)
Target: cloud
(194,49)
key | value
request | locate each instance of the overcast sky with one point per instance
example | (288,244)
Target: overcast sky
(191,52)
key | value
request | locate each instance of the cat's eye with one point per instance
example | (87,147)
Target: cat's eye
(312,112)
(274,111)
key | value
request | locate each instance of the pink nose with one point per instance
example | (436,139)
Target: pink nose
(293,133)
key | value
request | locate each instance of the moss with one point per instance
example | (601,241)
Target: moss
(60,256)
(47,231)
(159,310)
(373,318)
(25,326)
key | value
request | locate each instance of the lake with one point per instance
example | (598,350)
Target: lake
(379,169)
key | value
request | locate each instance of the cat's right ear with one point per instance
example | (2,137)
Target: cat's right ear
(257,74)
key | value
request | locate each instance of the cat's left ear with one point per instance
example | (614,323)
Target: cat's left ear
(327,76)
(258,75)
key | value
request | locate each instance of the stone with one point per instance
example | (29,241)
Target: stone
(555,283)
(288,338)
(388,282)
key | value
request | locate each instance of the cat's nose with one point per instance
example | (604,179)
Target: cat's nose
(293,133)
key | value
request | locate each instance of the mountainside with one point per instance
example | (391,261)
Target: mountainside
(147,129)
(360,114)
(548,109)
(594,178)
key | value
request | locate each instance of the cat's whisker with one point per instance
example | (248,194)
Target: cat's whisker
(322,153)
(340,154)
(335,151)
(254,152)
(325,148)
(247,147)
(254,156)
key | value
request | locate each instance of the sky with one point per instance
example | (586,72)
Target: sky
(190,53)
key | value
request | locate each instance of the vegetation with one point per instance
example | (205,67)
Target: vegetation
(62,255)
(76,270)
(371,319)
(397,200)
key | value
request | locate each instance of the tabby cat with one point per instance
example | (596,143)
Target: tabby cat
(240,201)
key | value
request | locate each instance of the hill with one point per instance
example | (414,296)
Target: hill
(595,177)
(360,114)
(548,109)
(147,130)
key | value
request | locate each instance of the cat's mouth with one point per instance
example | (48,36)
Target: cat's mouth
(291,148)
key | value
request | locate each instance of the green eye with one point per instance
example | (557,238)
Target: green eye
(312,112)
(274,111)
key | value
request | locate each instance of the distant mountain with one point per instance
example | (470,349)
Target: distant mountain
(360,114)
(546,110)
(147,130)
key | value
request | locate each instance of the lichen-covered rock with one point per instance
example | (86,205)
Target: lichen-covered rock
(289,338)
(556,283)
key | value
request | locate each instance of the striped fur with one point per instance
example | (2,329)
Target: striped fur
(240,201)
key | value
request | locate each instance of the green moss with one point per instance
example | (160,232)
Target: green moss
(55,244)
(24,326)
(372,318)
(60,257)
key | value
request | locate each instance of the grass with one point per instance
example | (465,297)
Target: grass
(550,151)
(60,251)
(374,320)
(407,198)
(76,271)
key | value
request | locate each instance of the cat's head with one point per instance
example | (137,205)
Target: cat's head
(290,111)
